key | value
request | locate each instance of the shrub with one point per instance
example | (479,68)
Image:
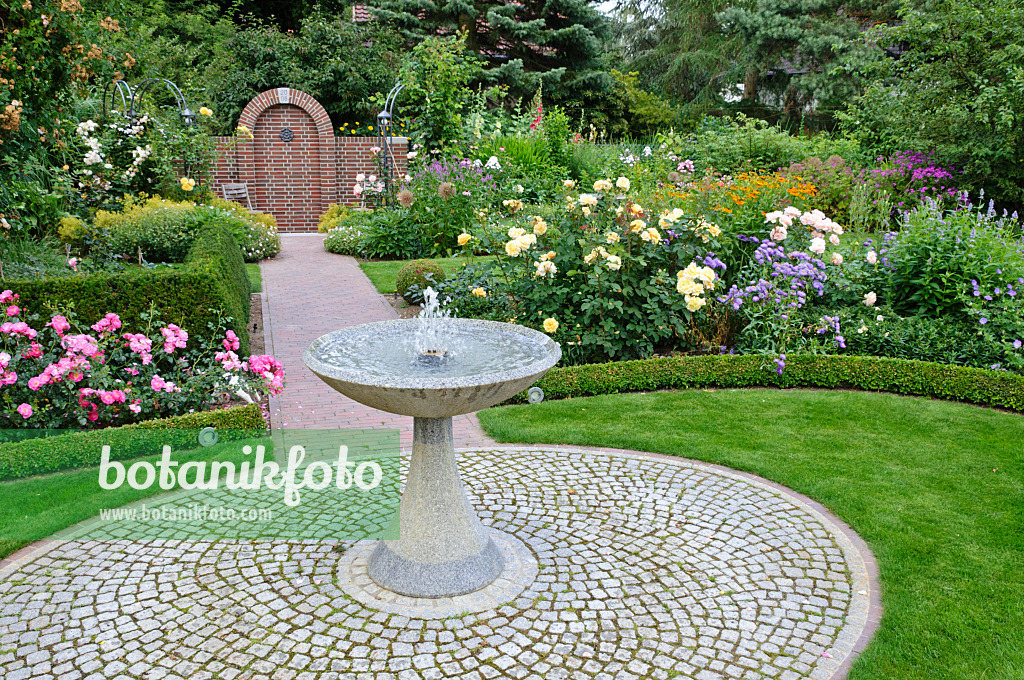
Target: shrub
(974,385)
(414,277)
(938,253)
(255,232)
(392,235)
(71,230)
(212,285)
(58,374)
(336,214)
(161,230)
(345,240)
(834,181)
(44,455)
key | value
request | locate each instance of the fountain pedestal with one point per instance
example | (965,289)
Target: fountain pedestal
(443,549)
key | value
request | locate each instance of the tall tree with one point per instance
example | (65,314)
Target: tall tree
(557,44)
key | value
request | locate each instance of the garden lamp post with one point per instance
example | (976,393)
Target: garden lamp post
(385,129)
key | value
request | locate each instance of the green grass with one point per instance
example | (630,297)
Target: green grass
(935,488)
(38,507)
(255,278)
(383,274)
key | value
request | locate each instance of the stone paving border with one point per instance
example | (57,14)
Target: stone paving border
(864,609)
(519,572)
(855,544)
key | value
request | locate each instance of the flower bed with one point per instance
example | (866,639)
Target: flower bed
(59,374)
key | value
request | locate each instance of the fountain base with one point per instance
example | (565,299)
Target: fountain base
(443,550)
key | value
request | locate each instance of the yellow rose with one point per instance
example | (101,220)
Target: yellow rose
(205,111)
(479,292)
(637,225)
(622,183)
(464,238)
(516,232)
(611,237)
(550,325)
(187,184)
(513,249)
(694,303)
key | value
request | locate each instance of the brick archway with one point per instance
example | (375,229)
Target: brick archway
(294,180)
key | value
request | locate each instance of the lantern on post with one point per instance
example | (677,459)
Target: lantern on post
(385,131)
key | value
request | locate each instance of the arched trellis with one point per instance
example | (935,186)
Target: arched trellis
(131,103)
(385,135)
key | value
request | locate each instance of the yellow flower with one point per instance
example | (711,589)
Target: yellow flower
(464,238)
(370,128)
(694,303)
(636,208)
(205,111)
(513,248)
(187,184)
(479,292)
(637,225)
(602,185)
(612,237)
(550,325)
(568,183)
(622,183)
(614,262)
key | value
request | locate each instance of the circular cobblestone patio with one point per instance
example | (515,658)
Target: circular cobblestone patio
(645,567)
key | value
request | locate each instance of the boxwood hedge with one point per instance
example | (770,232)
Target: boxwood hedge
(901,376)
(213,278)
(83,448)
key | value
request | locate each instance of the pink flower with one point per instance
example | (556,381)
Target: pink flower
(13,310)
(35,350)
(110,322)
(25,410)
(230,341)
(5,359)
(357,190)
(7,296)
(17,328)
(112,397)
(59,324)
(375,150)
(35,383)
(141,345)
(174,337)
(157,383)
(82,344)
(229,360)
(134,406)
(73,263)
(94,416)
(8,378)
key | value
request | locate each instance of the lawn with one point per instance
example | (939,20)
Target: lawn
(935,488)
(383,274)
(255,277)
(37,507)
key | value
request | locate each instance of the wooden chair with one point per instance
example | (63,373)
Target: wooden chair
(237,192)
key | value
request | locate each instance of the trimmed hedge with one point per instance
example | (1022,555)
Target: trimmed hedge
(901,376)
(213,277)
(83,448)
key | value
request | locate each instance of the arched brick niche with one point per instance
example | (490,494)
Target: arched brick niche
(296,180)
(292,178)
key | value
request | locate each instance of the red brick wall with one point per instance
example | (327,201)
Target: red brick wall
(295,181)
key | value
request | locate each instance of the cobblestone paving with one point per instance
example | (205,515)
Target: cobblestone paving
(647,568)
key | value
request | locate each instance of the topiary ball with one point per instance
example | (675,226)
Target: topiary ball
(415,274)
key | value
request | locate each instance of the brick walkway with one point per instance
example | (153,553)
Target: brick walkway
(308,292)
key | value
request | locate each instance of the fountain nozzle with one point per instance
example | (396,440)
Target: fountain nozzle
(434,357)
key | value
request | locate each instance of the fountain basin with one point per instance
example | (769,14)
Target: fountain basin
(501,361)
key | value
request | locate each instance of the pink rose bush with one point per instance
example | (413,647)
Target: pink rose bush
(55,373)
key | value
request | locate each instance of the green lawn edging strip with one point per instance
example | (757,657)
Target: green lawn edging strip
(876,374)
(81,449)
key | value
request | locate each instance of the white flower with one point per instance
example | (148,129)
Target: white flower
(791,211)
(647,151)
(622,183)
(786,221)
(568,183)
(870,299)
(614,262)
(492,163)
(602,185)
(545,268)
(360,177)
(588,199)
(772,217)
(92,158)
(879,318)
(779,233)
(833,239)
(872,257)
(817,246)
(837,259)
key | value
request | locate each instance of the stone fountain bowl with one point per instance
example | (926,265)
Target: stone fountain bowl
(422,394)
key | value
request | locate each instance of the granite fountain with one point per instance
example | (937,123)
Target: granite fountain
(432,368)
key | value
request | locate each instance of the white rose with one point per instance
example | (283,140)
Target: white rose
(870,299)
(817,246)
(837,259)
(872,257)
(622,183)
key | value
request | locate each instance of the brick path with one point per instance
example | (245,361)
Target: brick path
(308,292)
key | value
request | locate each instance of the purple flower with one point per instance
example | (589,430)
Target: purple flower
(983,321)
